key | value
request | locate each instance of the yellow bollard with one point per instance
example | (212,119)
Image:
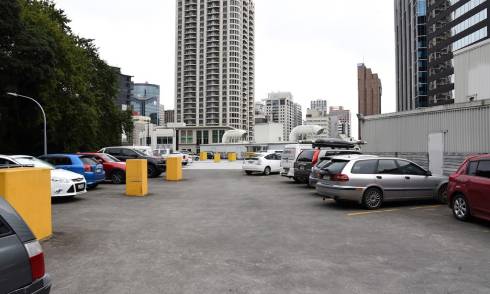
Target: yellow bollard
(232,156)
(137,177)
(28,190)
(217,157)
(203,156)
(174,169)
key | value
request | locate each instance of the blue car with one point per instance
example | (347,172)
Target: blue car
(81,164)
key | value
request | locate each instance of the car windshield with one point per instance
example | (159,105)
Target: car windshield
(139,152)
(34,161)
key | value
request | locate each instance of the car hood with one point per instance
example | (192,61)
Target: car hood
(64,174)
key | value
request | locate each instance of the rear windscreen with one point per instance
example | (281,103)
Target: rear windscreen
(335,167)
(306,155)
(88,160)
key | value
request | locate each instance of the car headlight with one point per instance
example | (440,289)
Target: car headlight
(61,180)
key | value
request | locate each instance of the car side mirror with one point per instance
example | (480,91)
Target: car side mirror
(429,174)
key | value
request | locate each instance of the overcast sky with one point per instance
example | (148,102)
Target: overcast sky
(308,47)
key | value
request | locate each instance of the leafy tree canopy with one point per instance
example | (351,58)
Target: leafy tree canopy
(42,58)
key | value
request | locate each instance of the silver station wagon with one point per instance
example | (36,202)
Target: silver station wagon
(372,181)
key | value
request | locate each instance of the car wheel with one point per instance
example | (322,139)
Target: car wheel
(442,194)
(118,177)
(267,171)
(372,199)
(248,172)
(152,171)
(461,209)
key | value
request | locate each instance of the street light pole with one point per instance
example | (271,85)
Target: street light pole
(44,117)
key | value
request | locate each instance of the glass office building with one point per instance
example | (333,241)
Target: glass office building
(145,101)
(411,54)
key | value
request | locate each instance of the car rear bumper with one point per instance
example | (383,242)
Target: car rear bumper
(41,286)
(339,192)
(253,168)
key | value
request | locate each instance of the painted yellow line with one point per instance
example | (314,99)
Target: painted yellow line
(427,206)
(371,212)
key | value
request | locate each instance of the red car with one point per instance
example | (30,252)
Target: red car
(469,189)
(115,170)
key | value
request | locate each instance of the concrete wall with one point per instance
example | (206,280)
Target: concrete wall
(472,72)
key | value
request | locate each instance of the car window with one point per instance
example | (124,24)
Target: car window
(59,160)
(4,229)
(88,160)
(335,167)
(387,166)
(409,168)
(4,161)
(128,152)
(472,168)
(323,163)
(306,156)
(483,169)
(365,167)
(288,153)
(270,157)
(113,151)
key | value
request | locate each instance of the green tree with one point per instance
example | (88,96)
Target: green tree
(41,57)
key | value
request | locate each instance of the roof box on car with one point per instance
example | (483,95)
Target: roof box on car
(333,143)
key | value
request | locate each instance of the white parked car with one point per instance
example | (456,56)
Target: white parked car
(265,163)
(63,183)
(166,153)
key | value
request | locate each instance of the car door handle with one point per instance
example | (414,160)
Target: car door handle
(379,177)
(407,178)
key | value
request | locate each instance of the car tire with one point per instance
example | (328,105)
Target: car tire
(442,194)
(372,198)
(267,171)
(152,171)
(248,172)
(118,177)
(461,209)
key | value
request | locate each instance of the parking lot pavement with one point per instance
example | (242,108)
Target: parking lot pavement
(223,232)
(211,165)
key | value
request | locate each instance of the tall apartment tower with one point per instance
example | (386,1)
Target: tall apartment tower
(280,108)
(411,54)
(369,91)
(452,25)
(215,64)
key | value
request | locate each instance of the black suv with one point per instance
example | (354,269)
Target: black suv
(156,165)
(21,256)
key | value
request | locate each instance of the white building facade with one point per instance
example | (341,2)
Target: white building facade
(280,108)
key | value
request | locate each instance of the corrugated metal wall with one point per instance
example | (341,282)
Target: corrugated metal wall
(467,129)
(472,70)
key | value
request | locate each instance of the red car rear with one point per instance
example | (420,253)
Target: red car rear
(469,189)
(115,170)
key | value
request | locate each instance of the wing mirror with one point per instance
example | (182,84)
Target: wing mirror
(429,174)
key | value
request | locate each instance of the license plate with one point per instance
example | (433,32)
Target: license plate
(81,186)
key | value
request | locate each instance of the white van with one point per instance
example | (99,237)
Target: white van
(289,156)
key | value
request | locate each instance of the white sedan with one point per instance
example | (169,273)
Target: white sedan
(63,183)
(265,163)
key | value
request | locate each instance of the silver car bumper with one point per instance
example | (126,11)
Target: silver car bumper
(339,192)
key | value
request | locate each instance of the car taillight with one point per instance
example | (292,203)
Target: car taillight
(36,258)
(87,168)
(339,178)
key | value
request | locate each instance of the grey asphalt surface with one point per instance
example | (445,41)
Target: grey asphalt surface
(224,232)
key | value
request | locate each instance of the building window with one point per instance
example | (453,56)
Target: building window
(186,137)
(165,140)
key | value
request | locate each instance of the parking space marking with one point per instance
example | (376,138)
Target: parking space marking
(426,207)
(371,212)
